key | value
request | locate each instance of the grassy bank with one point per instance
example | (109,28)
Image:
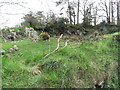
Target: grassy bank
(76,67)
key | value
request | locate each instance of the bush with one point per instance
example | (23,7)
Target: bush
(44,36)
(113,29)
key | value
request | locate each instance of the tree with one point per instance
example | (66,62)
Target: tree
(51,17)
(85,10)
(40,17)
(95,14)
(60,25)
(30,20)
(70,9)
(105,8)
(112,7)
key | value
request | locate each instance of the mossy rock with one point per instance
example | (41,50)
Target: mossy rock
(44,36)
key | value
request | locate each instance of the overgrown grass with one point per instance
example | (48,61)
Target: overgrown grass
(67,68)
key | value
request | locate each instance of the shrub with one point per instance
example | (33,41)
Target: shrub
(113,29)
(44,36)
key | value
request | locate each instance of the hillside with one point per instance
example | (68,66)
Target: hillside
(78,65)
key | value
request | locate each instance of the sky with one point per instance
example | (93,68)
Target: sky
(12,14)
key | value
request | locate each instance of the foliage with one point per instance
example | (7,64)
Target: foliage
(40,17)
(86,25)
(30,20)
(59,26)
(44,36)
(113,29)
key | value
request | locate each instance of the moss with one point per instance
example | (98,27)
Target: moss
(44,36)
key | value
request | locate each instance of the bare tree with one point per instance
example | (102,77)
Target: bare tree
(108,9)
(95,14)
(112,5)
(70,9)
(85,10)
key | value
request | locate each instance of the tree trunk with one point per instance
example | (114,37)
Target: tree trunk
(78,12)
(109,12)
(118,12)
(95,16)
(74,17)
(112,13)
(69,11)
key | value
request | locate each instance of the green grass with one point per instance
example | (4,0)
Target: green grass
(66,68)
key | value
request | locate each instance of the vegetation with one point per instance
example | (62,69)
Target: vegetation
(69,49)
(88,63)
(44,36)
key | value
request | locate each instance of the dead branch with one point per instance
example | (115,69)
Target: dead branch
(56,47)
(66,43)
(76,46)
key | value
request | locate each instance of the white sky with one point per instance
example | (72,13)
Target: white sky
(16,12)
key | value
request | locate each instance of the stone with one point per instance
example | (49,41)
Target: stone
(15,47)
(2,52)
(11,50)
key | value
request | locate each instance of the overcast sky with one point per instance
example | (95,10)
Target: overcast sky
(11,14)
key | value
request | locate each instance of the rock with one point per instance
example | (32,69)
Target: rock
(11,50)
(116,37)
(15,47)
(8,55)
(2,52)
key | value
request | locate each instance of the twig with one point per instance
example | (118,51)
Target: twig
(56,47)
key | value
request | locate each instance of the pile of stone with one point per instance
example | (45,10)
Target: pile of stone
(15,34)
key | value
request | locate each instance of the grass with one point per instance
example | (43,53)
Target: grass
(67,68)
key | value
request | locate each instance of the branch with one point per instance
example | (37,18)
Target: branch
(56,47)
(65,44)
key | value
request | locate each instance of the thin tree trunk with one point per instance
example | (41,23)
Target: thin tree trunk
(112,13)
(118,12)
(78,12)
(95,16)
(74,16)
(74,19)
(109,12)
(69,11)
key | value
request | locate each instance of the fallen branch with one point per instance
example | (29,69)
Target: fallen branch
(66,43)
(76,46)
(56,47)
